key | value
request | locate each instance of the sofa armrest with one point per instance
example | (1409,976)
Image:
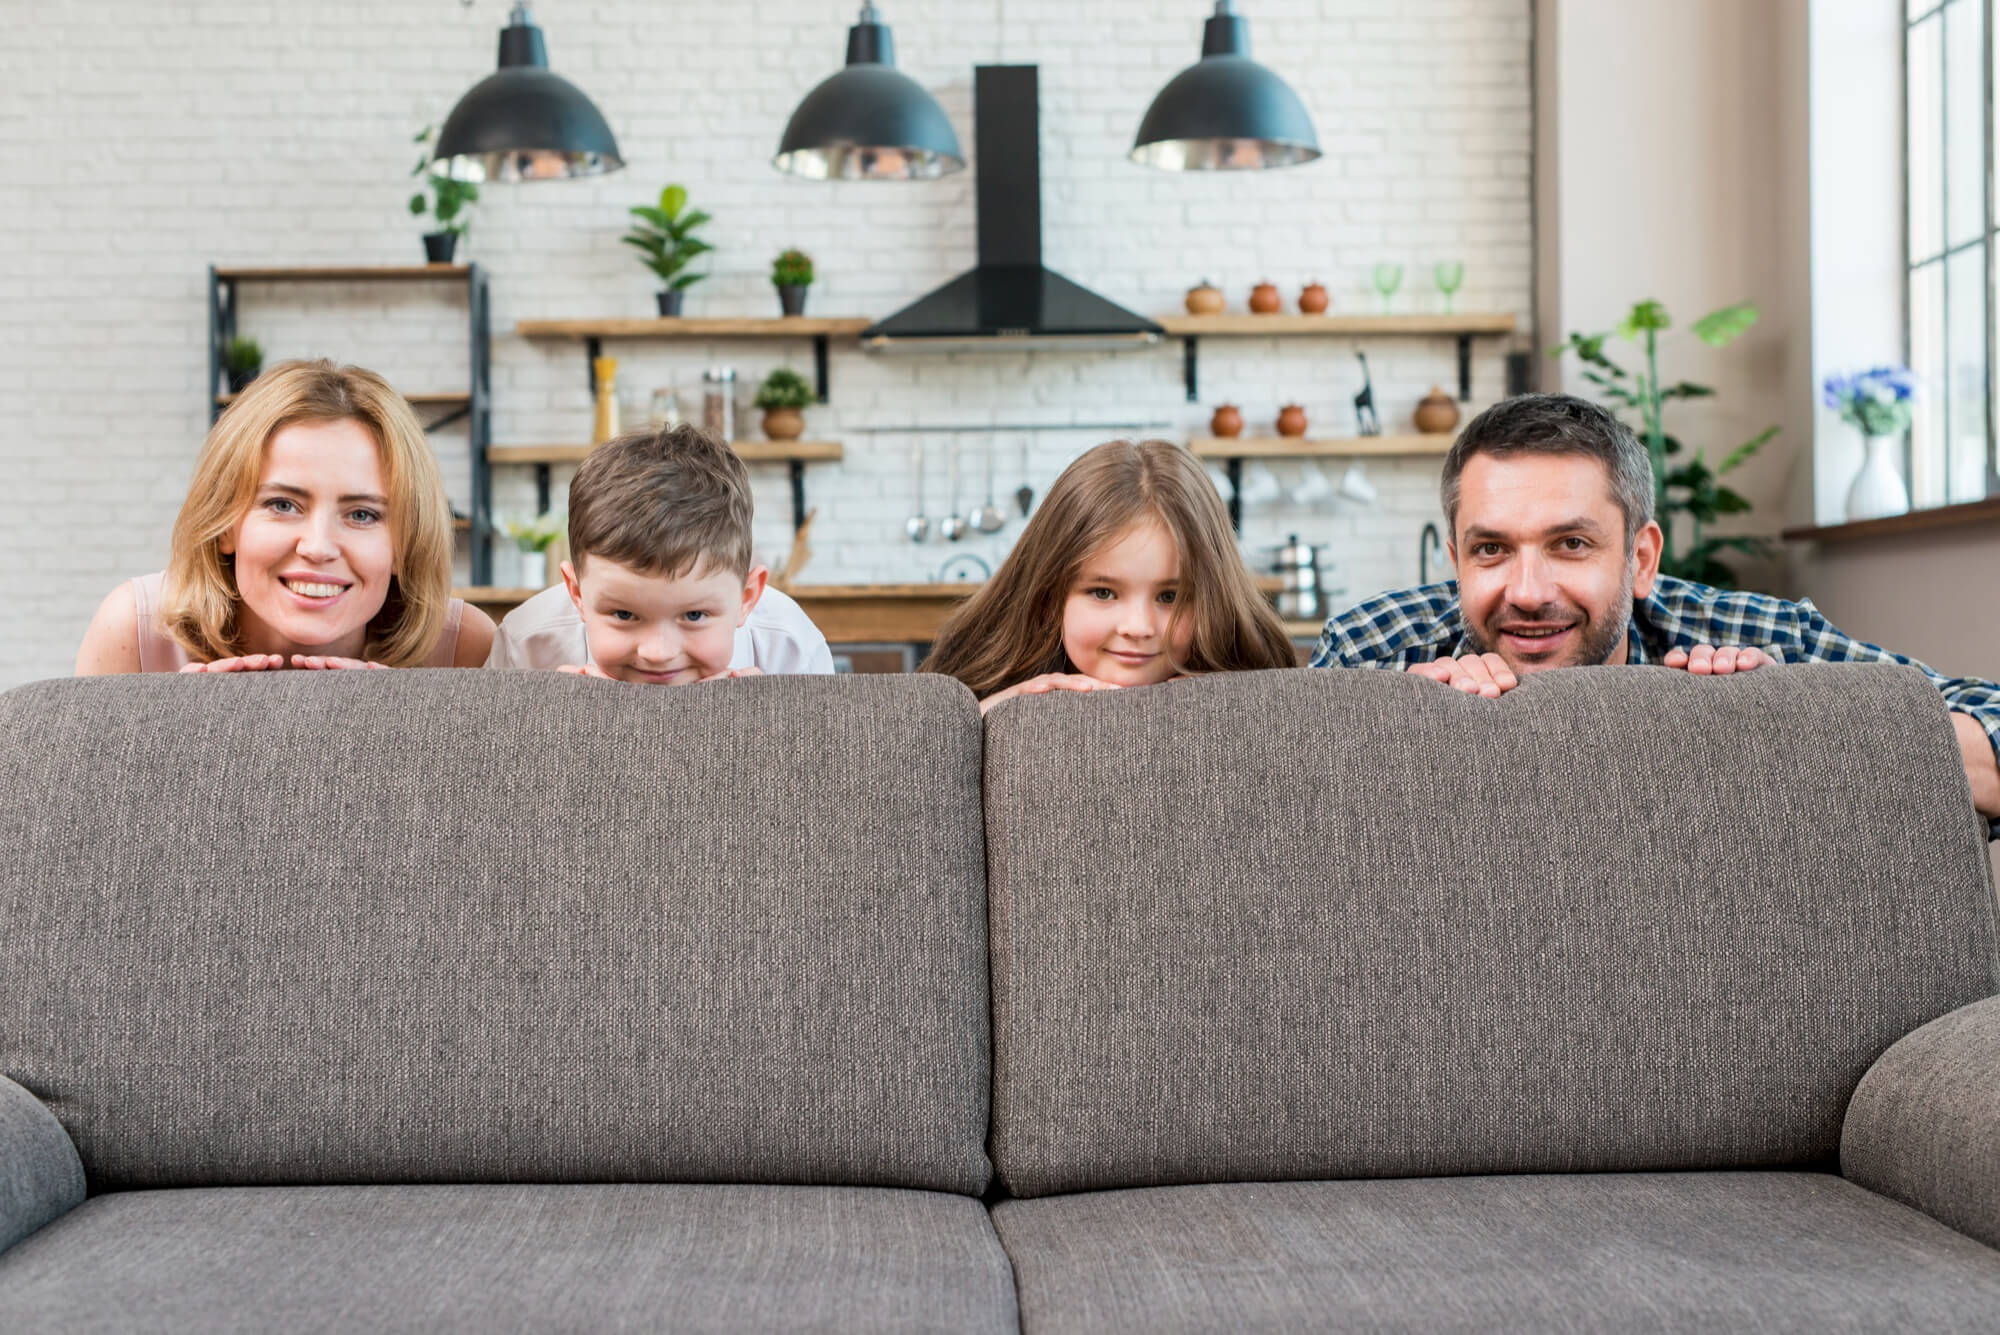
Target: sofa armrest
(41,1177)
(1923,1127)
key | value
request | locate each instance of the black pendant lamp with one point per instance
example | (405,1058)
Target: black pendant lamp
(1226,112)
(524,122)
(869,122)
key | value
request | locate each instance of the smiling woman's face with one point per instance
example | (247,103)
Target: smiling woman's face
(314,553)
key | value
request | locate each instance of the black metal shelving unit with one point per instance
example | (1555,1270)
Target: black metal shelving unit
(475,406)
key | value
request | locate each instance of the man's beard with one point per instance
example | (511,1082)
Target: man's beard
(1600,639)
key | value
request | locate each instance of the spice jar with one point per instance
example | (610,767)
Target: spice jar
(718,402)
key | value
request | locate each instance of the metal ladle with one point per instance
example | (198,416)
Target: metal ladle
(952,526)
(988,518)
(918,525)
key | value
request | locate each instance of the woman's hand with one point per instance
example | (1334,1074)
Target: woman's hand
(328,663)
(1048,681)
(241,663)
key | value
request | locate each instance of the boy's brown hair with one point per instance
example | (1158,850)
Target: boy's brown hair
(1011,630)
(662,502)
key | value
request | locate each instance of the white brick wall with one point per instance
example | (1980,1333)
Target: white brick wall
(141,140)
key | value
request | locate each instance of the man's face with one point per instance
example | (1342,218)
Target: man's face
(1545,579)
(649,628)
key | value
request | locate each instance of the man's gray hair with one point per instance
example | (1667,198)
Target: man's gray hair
(1557,424)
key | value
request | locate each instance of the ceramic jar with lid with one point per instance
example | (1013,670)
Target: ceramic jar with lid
(1264,298)
(1205,299)
(1292,420)
(1437,412)
(1227,422)
(1313,300)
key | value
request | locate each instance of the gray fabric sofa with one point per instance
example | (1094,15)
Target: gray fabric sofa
(1307,1000)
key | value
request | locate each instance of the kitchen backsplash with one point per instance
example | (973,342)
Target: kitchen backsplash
(243,138)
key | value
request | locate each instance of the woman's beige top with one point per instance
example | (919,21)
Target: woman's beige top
(161,652)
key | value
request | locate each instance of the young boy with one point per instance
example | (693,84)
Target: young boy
(659,586)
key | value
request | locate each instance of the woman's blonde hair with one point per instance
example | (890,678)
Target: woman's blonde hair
(1011,629)
(199,602)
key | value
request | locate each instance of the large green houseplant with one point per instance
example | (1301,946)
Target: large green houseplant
(664,237)
(1684,485)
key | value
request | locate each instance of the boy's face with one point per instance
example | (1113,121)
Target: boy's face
(661,631)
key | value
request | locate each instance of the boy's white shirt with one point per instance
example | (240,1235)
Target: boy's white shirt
(777,638)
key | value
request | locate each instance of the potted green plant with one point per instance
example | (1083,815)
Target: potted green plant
(781,396)
(449,203)
(792,274)
(665,237)
(242,359)
(1687,487)
(534,537)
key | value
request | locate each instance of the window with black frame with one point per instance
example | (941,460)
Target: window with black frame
(1948,62)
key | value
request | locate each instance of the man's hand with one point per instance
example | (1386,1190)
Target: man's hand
(1048,681)
(1475,674)
(1705,660)
(1975,748)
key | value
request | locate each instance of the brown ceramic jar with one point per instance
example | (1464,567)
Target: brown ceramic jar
(1227,422)
(1437,412)
(1206,299)
(1292,420)
(1264,298)
(1312,301)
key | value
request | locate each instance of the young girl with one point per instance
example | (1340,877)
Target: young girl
(1127,575)
(315,534)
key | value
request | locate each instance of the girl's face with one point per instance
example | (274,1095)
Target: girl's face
(1116,617)
(314,553)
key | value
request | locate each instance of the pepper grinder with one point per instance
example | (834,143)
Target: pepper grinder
(606,426)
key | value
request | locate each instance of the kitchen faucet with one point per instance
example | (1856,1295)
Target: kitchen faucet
(1425,543)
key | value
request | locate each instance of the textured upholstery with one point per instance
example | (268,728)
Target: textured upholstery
(1352,923)
(456,926)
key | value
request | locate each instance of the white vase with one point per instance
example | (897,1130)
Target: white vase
(534,570)
(1878,489)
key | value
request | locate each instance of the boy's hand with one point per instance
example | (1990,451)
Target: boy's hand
(584,670)
(241,663)
(1048,681)
(727,673)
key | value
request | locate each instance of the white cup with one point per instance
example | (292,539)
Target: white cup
(1355,486)
(1260,485)
(1313,486)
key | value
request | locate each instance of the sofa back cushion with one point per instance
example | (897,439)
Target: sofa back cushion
(1354,923)
(472,927)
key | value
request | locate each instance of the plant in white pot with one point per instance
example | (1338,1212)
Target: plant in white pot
(1877,403)
(782,395)
(534,537)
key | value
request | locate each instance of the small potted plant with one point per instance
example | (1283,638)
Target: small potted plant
(781,396)
(792,274)
(665,238)
(534,537)
(242,359)
(449,204)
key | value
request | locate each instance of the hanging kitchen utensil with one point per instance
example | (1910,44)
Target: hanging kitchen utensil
(989,518)
(918,525)
(952,526)
(1024,495)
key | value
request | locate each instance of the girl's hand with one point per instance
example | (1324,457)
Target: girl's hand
(1048,681)
(242,663)
(328,663)
(584,670)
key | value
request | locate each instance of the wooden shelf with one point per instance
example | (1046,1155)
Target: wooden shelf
(1284,447)
(750,451)
(415,400)
(1970,513)
(786,326)
(1343,326)
(347,273)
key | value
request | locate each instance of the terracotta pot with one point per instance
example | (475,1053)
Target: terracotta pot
(1206,299)
(784,423)
(1264,298)
(1312,301)
(1437,412)
(1227,422)
(1292,420)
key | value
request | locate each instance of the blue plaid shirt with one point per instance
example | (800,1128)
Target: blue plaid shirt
(1396,630)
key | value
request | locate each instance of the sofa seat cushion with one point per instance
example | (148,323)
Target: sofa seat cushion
(512,1258)
(1601,1252)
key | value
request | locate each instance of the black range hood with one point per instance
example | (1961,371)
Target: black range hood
(1010,298)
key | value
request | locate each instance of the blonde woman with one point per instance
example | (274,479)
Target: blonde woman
(315,534)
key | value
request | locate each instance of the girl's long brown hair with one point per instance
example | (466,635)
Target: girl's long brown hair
(199,604)
(1011,629)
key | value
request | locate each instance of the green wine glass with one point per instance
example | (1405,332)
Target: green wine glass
(1388,277)
(1449,277)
